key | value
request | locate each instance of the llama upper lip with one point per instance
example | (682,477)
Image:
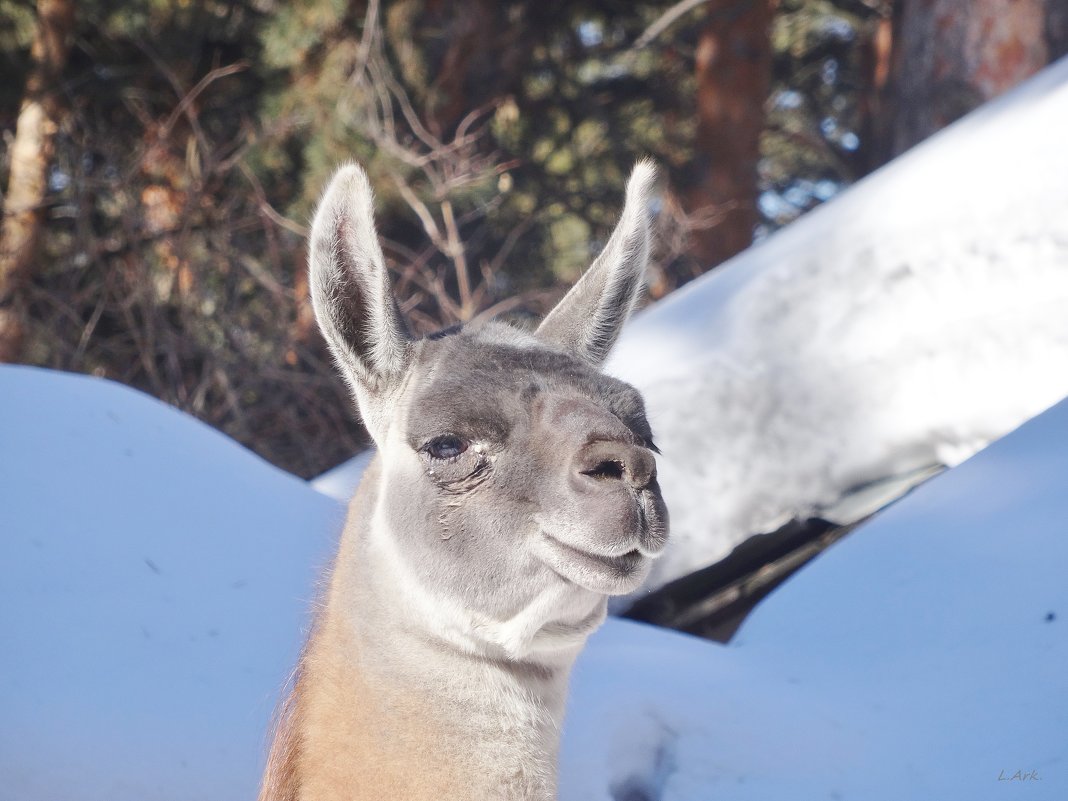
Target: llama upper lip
(653,538)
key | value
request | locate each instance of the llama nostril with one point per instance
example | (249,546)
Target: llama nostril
(610,463)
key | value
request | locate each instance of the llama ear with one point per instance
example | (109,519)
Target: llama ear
(587,321)
(352,298)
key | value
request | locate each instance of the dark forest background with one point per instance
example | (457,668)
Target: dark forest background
(160,161)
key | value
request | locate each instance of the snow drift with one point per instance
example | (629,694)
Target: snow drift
(156,581)
(158,578)
(903,325)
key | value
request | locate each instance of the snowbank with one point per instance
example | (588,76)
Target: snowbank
(340,482)
(156,580)
(922,657)
(157,577)
(904,324)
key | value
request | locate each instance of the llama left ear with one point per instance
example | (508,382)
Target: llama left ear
(352,298)
(587,322)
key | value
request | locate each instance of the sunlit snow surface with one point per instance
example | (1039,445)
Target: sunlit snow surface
(923,657)
(914,318)
(158,580)
(340,482)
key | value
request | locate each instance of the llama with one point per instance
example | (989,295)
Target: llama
(514,490)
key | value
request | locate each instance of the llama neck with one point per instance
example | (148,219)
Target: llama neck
(386,707)
(400,714)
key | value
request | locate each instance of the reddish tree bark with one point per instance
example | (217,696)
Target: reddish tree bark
(31,154)
(733,75)
(950,57)
(877,57)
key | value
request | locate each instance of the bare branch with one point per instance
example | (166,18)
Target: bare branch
(665,21)
(370,27)
(421,210)
(267,209)
(459,259)
(185,103)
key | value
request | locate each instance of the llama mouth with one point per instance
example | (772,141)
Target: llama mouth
(612,575)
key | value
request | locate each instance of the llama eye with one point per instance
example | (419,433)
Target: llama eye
(447,446)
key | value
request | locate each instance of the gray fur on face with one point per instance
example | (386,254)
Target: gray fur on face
(512,469)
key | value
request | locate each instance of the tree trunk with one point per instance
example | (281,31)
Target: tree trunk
(951,57)
(31,153)
(874,97)
(733,75)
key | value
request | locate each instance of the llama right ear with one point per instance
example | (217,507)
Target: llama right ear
(351,294)
(588,320)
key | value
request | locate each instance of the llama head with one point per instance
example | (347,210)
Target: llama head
(518,483)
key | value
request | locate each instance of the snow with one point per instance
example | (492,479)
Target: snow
(901,326)
(340,482)
(921,657)
(158,579)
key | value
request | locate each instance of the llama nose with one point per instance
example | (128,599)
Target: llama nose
(609,463)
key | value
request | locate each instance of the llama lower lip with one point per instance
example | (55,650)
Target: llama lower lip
(619,567)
